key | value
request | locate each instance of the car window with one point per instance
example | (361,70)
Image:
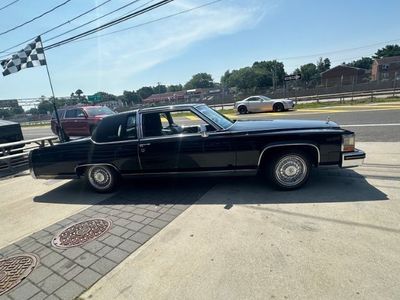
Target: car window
(253,99)
(131,130)
(71,113)
(116,128)
(80,113)
(219,119)
(97,111)
(180,122)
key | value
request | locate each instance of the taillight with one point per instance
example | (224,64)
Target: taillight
(348,142)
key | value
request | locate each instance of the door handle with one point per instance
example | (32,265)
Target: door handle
(144,145)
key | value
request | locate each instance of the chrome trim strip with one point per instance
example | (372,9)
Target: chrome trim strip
(289,144)
(238,171)
(352,159)
(113,142)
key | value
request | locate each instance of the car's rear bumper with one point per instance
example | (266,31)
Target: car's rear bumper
(352,159)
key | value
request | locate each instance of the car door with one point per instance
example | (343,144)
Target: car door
(68,123)
(266,104)
(186,150)
(255,104)
(81,123)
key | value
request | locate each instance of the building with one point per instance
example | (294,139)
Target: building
(343,75)
(386,68)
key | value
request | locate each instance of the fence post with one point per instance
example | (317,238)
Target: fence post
(394,83)
(372,96)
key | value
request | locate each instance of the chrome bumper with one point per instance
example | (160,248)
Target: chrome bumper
(352,159)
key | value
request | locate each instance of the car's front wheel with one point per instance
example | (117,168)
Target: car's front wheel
(289,170)
(102,179)
(242,110)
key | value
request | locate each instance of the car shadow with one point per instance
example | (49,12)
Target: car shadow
(325,185)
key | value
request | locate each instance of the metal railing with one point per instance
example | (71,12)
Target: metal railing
(14,155)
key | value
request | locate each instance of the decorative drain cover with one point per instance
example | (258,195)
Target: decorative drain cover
(14,269)
(80,233)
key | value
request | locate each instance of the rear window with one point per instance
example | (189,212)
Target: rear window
(96,111)
(116,128)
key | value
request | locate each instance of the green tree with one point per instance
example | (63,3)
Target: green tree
(200,80)
(309,74)
(363,63)
(5,113)
(17,110)
(45,107)
(243,79)
(388,50)
(33,111)
(130,97)
(269,73)
(145,92)
(174,88)
(323,64)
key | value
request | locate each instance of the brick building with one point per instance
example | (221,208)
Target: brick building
(386,68)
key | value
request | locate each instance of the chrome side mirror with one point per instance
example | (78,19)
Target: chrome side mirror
(204,134)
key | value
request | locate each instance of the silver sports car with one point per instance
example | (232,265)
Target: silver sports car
(262,104)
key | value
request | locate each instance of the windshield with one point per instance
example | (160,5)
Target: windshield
(215,116)
(96,111)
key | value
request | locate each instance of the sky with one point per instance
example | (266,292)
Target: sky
(226,35)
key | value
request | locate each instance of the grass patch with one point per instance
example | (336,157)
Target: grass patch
(348,102)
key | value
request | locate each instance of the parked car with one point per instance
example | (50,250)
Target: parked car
(263,104)
(79,120)
(194,139)
(10,132)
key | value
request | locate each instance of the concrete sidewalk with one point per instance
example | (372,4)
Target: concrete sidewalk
(338,238)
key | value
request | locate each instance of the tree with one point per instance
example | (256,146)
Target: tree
(269,73)
(323,65)
(145,92)
(174,88)
(5,113)
(199,81)
(160,89)
(130,97)
(33,111)
(309,73)
(363,62)
(243,79)
(17,110)
(45,107)
(388,50)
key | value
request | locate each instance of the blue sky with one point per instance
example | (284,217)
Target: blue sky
(227,35)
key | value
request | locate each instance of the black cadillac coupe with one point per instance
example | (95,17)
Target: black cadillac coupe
(193,139)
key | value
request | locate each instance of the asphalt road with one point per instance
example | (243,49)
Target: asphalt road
(370,123)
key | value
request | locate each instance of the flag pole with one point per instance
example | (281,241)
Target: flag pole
(61,134)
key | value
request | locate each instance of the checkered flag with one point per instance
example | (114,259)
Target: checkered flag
(31,56)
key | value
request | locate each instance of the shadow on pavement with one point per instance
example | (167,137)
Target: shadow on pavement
(325,185)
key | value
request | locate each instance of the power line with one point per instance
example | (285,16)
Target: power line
(338,51)
(56,27)
(91,21)
(150,22)
(35,18)
(109,24)
(9,4)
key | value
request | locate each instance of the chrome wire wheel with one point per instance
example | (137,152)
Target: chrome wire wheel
(101,178)
(291,170)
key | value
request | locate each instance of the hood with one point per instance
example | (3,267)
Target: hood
(257,125)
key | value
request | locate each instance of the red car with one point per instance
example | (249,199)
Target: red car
(81,120)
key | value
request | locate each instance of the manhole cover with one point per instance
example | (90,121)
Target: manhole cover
(80,233)
(14,269)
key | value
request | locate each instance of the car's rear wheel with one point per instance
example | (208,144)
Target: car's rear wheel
(278,107)
(242,110)
(289,170)
(102,179)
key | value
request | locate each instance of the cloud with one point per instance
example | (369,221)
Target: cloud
(122,55)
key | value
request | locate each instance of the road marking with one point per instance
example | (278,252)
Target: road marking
(370,125)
